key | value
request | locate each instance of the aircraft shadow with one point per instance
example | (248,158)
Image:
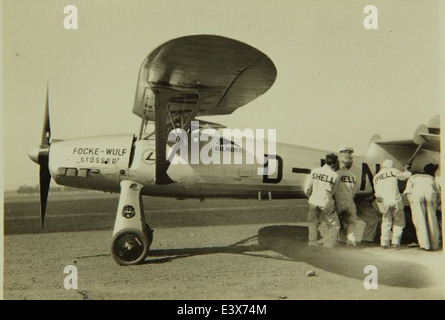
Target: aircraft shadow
(291,241)
(236,248)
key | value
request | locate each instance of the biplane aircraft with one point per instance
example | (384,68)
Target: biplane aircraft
(181,80)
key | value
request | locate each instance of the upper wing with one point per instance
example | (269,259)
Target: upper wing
(194,76)
(402,150)
(422,149)
(234,72)
(430,142)
(426,137)
(405,151)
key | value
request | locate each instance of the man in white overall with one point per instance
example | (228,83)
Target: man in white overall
(390,203)
(320,187)
(344,197)
(423,194)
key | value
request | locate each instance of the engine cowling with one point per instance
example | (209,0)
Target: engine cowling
(98,163)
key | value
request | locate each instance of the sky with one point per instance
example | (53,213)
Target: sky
(337,82)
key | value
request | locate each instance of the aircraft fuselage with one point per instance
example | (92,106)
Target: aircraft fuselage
(101,163)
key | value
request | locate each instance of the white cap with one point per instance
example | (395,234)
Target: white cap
(345,149)
(387,164)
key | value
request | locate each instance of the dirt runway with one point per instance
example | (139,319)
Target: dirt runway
(214,250)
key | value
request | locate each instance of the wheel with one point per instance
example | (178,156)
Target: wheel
(130,247)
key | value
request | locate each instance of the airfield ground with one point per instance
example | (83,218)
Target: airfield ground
(217,249)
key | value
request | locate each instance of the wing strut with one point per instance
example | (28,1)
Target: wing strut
(164,94)
(162,164)
(417,138)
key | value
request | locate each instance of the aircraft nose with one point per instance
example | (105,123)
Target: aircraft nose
(34,155)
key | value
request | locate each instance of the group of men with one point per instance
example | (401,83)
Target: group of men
(332,209)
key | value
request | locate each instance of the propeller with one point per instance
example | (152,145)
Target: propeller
(41,156)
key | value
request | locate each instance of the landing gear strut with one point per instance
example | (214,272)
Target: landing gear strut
(132,237)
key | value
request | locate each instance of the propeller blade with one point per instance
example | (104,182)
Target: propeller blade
(43,160)
(45,179)
(46,132)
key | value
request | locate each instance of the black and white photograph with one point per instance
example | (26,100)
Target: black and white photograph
(245,151)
